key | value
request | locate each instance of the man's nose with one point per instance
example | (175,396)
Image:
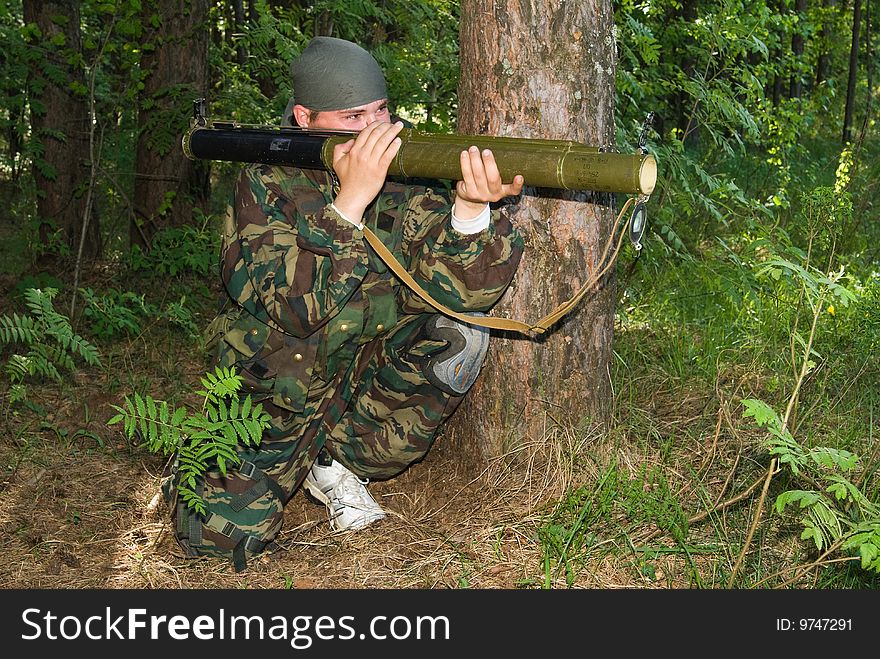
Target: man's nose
(370,117)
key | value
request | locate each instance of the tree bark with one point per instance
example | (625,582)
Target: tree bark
(796,84)
(541,68)
(826,38)
(60,122)
(175,65)
(240,53)
(853,72)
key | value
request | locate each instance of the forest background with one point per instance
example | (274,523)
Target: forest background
(738,448)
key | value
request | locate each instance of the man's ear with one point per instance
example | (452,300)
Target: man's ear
(300,116)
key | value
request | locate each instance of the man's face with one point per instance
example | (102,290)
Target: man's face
(353,119)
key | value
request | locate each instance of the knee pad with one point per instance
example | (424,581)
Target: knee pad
(455,368)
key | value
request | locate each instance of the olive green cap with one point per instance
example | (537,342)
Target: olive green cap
(335,74)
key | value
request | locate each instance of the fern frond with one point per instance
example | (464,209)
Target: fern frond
(84,349)
(153,420)
(18,367)
(191,499)
(41,364)
(203,439)
(54,355)
(18,329)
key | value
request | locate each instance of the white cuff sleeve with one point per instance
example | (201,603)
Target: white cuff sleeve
(479,223)
(346,218)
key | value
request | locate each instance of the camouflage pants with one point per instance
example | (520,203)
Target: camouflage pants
(376,417)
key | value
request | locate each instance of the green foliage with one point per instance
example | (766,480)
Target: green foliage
(861,331)
(202,439)
(114,312)
(41,280)
(49,342)
(570,531)
(835,510)
(177,250)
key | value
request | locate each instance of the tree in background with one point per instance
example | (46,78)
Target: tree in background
(59,120)
(544,70)
(853,71)
(174,71)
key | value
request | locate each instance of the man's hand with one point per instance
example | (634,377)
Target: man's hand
(361,164)
(481,183)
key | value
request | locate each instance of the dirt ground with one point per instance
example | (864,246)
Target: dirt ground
(80,507)
(75,515)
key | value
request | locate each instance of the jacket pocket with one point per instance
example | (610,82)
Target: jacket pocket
(293,365)
(243,342)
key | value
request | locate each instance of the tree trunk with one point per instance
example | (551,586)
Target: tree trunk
(853,71)
(60,122)
(240,53)
(175,66)
(826,38)
(542,69)
(796,84)
(775,88)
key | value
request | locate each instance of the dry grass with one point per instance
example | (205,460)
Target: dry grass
(75,514)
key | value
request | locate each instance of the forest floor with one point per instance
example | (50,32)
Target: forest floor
(81,507)
(76,514)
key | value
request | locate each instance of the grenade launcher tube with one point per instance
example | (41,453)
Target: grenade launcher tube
(558,164)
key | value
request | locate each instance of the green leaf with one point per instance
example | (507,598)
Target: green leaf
(179,415)
(763,414)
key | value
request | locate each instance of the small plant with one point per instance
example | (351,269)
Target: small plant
(50,342)
(178,250)
(200,439)
(180,314)
(837,513)
(112,313)
(115,312)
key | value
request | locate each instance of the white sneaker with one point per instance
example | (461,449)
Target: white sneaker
(348,502)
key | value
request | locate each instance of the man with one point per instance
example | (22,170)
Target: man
(357,372)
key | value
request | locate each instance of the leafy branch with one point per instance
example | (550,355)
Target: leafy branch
(835,510)
(201,439)
(51,343)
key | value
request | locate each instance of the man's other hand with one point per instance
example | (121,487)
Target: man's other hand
(481,183)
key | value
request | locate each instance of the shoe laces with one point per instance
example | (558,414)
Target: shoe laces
(349,490)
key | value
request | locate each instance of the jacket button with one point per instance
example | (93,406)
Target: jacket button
(297,357)
(343,327)
(255,331)
(287,400)
(380,327)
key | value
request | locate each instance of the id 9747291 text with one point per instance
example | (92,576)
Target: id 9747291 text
(814,624)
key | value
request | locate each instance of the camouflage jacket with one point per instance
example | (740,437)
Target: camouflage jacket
(308,290)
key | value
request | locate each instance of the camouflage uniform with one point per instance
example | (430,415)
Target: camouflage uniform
(329,341)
